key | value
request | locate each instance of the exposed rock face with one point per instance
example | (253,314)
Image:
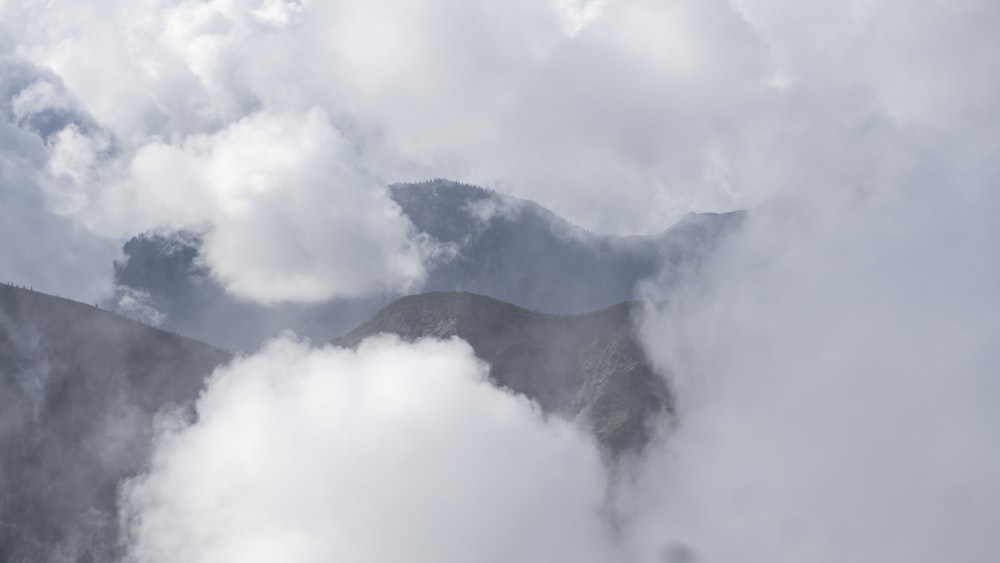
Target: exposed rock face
(586,367)
(79,388)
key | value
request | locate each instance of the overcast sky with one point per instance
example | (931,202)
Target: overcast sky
(837,364)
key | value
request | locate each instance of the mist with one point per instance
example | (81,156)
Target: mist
(835,363)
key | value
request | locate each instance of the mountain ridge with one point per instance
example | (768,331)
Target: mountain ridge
(587,367)
(508,248)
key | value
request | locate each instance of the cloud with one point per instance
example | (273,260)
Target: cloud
(287,218)
(285,215)
(392,452)
(41,249)
(554,101)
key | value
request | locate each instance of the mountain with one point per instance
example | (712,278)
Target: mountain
(79,388)
(587,367)
(516,250)
(161,283)
(508,248)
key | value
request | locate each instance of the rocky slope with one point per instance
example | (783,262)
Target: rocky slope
(79,388)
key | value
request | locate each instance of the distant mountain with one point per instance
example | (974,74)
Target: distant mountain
(508,248)
(78,391)
(518,251)
(162,283)
(587,367)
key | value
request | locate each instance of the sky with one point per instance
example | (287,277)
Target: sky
(835,362)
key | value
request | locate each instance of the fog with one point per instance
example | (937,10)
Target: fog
(835,363)
(835,382)
(392,452)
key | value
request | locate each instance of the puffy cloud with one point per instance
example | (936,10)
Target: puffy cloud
(287,216)
(392,452)
(286,212)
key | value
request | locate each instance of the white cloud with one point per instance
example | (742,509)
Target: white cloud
(393,452)
(36,98)
(575,15)
(135,304)
(73,166)
(288,217)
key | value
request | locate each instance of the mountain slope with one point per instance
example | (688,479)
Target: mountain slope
(508,248)
(78,391)
(586,367)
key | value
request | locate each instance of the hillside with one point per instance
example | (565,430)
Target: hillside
(78,391)
(586,367)
(80,387)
